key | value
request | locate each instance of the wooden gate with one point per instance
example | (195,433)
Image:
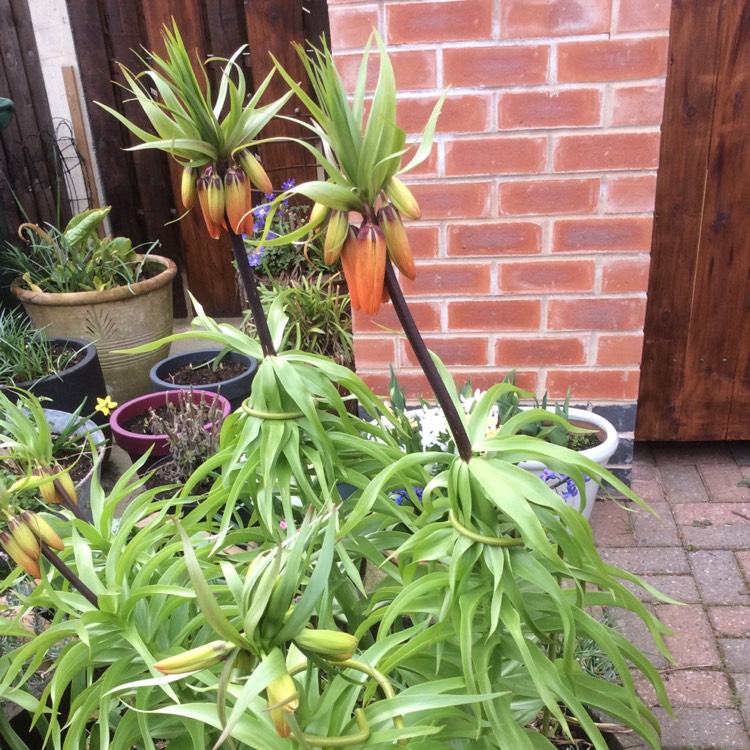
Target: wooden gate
(142,186)
(695,373)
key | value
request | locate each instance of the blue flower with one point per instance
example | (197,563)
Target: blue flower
(399,496)
(255,259)
(570,490)
(288,184)
(547,475)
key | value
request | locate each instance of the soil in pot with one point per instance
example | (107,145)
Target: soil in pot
(78,464)
(188,375)
(142,424)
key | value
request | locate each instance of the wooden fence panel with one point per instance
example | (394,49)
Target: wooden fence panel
(210,27)
(31,172)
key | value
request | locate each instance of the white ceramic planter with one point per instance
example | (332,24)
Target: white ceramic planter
(600,454)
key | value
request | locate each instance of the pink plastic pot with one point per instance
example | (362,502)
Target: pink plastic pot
(136,444)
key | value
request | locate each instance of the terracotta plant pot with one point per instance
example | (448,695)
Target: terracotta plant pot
(236,389)
(119,318)
(67,389)
(136,444)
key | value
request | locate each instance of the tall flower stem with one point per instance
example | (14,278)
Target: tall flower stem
(69,575)
(456,426)
(253,297)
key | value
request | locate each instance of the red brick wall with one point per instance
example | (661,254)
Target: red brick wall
(538,197)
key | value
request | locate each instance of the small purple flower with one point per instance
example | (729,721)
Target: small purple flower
(288,184)
(255,259)
(267,198)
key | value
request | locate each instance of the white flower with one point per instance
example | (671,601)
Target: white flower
(433,428)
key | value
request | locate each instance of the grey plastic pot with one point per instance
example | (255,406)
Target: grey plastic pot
(58,421)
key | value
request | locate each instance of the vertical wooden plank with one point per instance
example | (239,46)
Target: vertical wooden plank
(91,35)
(683,166)
(272,26)
(315,20)
(717,383)
(24,84)
(207,262)
(79,129)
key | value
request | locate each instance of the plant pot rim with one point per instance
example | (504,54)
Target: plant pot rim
(601,453)
(107,295)
(156,379)
(136,443)
(89,353)
(89,426)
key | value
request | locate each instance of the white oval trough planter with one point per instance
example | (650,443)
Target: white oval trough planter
(600,454)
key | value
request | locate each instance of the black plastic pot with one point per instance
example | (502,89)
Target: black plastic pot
(68,388)
(235,390)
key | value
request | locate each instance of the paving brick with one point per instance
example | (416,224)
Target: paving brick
(736,652)
(687,688)
(733,622)
(740,452)
(633,628)
(742,688)
(723,482)
(649,490)
(718,577)
(692,641)
(714,525)
(682,484)
(655,532)
(691,453)
(644,454)
(743,558)
(612,525)
(656,560)
(702,729)
(680,588)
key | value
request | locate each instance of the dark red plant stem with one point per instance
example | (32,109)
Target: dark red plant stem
(67,501)
(456,426)
(69,575)
(251,290)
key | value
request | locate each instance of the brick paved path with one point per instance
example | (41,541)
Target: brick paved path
(698,553)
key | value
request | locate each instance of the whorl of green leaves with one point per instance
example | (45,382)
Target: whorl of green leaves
(360,151)
(187,122)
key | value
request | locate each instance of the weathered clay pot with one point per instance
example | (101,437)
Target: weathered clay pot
(119,318)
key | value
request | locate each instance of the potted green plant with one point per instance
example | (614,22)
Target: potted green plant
(274,634)
(64,450)
(66,371)
(560,424)
(135,424)
(320,316)
(74,283)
